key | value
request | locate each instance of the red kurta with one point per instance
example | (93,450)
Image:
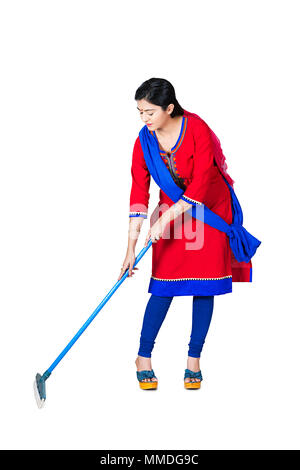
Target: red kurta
(192,258)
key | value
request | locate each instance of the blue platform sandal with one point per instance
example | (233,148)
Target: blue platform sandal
(192,375)
(146,374)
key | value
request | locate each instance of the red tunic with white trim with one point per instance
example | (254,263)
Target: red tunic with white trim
(192,258)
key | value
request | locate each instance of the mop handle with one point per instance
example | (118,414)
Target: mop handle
(97,310)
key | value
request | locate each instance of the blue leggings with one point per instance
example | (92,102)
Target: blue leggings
(156,312)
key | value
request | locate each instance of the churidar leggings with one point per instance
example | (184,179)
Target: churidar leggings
(155,313)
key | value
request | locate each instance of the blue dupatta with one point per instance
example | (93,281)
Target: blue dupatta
(242,243)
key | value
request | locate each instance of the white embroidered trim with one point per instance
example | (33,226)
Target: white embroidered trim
(193,200)
(144,213)
(193,278)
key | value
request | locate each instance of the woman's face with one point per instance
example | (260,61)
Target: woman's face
(152,115)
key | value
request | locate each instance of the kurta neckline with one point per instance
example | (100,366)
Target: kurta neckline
(180,138)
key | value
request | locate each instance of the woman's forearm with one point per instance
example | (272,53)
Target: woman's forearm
(135,225)
(175,210)
(157,229)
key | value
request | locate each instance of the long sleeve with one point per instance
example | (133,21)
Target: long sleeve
(203,159)
(139,195)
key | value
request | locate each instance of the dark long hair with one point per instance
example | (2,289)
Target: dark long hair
(160,92)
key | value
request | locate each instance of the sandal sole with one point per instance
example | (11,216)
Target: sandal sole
(148,385)
(192,385)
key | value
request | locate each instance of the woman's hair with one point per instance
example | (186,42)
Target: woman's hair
(160,92)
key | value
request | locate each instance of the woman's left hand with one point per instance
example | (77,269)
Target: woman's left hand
(155,232)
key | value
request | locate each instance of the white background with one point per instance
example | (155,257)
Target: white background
(69,72)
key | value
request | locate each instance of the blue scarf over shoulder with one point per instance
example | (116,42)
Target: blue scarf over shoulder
(242,243)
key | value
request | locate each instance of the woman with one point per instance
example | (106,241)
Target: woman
(189,257)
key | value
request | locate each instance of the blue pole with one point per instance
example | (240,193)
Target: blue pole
(94,314)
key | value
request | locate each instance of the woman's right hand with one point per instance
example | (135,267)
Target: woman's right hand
(128,263)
